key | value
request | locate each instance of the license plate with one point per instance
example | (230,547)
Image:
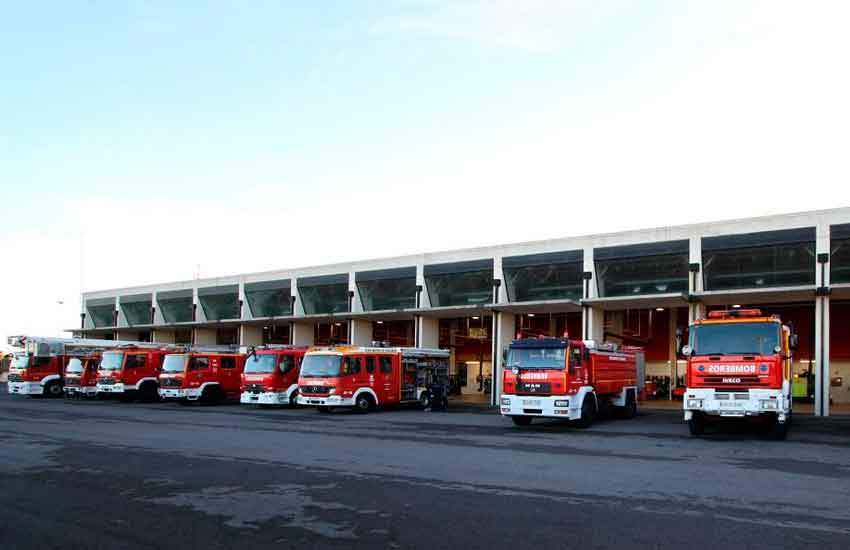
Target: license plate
(531,402)
(255,398)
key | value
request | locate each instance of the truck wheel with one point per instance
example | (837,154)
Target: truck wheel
(588,412)
(696,424)
(148,393)
(779,430)
(363,403)
(522,420)
(425,400)
(293,400)
(630,410)
(324,409)
(53,389)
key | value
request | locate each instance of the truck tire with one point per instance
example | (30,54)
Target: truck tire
(364,403)
(696,424)
(293,400)
(778,430)
(425,400)
(148,392)
(522,420)
(588,412)
(630,409)
(53,389)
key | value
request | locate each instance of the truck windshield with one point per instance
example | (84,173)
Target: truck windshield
(175,362)
(112,360)
(735,339)
(260,364)
(20,362)
(321,365)
(539,358)
(75,366)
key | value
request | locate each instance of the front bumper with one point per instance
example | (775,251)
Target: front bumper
(113,388)
(740,404)
(329,401)
(80,390)
(544,406)
(192,394)
(265,398)
(26,388)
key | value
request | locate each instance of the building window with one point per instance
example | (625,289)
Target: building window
(654,268)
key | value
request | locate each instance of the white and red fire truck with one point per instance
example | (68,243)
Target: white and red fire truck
(271,375)
(569,379)
(81,375)
(368,377)
(131,371)
(40,370)
(207,374)
(739,366)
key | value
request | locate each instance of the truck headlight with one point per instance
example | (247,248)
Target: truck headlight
(769,404)
(506,401)
(694,403)
(563,403)
(331,391)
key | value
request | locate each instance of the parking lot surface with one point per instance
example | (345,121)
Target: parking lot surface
(93,474)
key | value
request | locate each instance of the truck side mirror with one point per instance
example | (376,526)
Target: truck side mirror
(687,351)
(679,334)
(793,342)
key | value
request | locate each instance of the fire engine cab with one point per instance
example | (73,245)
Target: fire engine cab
(271,375)
(368,377)
(210,374)
(131,371)
(739,366)
(569,379)
(81,375)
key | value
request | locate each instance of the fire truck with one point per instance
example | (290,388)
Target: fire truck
(574,380)
(209,375)
(81,375)
(739,366)
(132,371)
(40,369)
(271,375)
(369,377)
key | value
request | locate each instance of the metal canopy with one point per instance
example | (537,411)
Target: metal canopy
(539,306)
(671,299)
(757,295)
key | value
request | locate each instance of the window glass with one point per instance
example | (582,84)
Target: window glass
(352,365)
(137,313)
(199,363)
(287,363)
(175,308)
(764,266)
(386,364)
(660,274)
(544,282)
(102,316)
(174,362)
(332,298)
(269,299)
(220,305)
(370,364)
(460,289)
(387,294)
(228,362)
(135,361)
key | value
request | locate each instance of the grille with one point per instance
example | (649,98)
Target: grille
(732,396)
(15,378)
(106,380)
(254,388)
(315,389)
(171,382)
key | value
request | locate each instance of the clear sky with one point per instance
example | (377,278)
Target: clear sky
(145,141)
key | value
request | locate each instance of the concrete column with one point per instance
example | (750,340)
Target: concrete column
(425,300)
(696,311)
(204,336)
(199,311)
(361,332)
(593,321)
(671,351)
(499,273)
(822,377)
(244,311)
(356,304)
(303,334)
(158,318)
(163,336)
(504,330)
(250,335)
(429,332)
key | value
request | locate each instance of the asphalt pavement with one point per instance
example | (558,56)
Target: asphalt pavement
(94,474)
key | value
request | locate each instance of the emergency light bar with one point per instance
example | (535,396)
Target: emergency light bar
(731,313)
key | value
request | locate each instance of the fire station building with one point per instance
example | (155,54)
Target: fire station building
(637,288)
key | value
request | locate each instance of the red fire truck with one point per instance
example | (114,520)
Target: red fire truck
(739,366)
(569,379)
(132,371)
(81,375)
(205,374)
(370,377)
(271,375)
(40,369)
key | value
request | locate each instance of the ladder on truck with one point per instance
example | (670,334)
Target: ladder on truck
(46,345)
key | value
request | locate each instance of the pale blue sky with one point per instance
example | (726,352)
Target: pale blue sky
(141,139)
